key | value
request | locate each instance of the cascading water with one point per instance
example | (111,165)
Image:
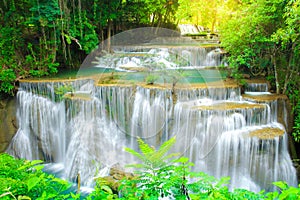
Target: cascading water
(219,139)
(86,134)
(86,127)
(257,87)
(171,57)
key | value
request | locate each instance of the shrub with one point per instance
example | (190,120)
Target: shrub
(22,179)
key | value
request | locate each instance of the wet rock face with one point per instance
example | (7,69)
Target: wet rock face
(298,173)
(8,122)
(296,163)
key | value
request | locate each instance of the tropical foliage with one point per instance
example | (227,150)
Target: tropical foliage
(160,176)
(40,36)
(21,179)
(262,39)
(206,13)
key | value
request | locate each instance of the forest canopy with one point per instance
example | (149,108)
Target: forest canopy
(262,36)
(38,37)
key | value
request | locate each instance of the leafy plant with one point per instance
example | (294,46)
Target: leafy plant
(7,77)
(60,91)
(158,175)
(296,128)
(150,79)
(161,175)
(286,192)
(22,179)
(102,191)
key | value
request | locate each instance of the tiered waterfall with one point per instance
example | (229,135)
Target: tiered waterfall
(86,129)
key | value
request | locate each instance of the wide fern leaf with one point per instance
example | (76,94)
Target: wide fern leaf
(150,157)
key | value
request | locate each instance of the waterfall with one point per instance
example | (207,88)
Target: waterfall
(255,163)
(95,142)
(84,124)
(41,128)
(151,113)
(170,57)
(257,87)
(222,133)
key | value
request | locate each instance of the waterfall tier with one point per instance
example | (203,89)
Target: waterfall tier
(257,87)
(85,126)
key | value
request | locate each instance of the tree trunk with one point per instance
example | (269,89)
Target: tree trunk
(61,6)
(273,57)
(80,19)
(289,71)
(158,23)
(153,19)
(55,47)
(109,27)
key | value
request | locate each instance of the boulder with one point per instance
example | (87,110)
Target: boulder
(116,174)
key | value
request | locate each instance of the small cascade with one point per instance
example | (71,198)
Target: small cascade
(41,128)
(151,113)
(196,56)
(257,86)
(115,104)
(161,57)
(236,139)
(92,145)
(220,92)
(251,160)
(277,103)
(214,57)
(188,29)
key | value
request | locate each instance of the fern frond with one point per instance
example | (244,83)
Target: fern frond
(151,158)
(145,159)
(145,148)
(168,144)
(159,157)
(136,154)
(172,155)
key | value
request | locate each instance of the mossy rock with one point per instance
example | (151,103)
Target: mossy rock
(267,133)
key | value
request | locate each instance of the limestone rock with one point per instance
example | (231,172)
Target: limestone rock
(116,174)
(8,122)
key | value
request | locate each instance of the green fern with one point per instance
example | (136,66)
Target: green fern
(162,175)
(150,157)
(156,175)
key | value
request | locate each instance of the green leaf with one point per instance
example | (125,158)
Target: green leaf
(223,181)
(32,182)
(68,39)
(38,167)
(75,196)
(172,155)
(107,189)
(35,162)
(24,198)
(145,148)
(281,185)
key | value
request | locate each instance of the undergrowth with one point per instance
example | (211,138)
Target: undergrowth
(159,175)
